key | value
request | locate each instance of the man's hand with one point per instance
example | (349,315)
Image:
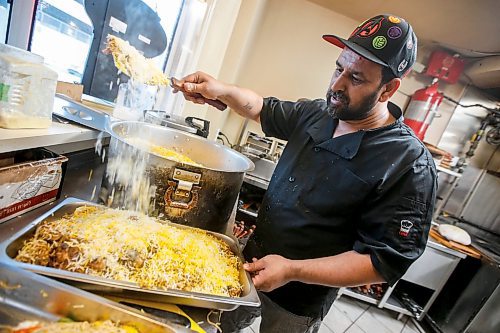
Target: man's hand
(269,272)
(203,84)
(346,269)
(201,88)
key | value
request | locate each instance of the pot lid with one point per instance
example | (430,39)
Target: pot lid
(163,119)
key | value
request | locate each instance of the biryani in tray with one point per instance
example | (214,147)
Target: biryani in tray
(129,246)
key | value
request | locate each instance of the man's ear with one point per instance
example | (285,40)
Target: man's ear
(389,89)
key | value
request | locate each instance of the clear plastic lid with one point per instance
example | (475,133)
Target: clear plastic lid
(22,55)
(12,64)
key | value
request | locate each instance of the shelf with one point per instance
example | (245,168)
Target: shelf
(255,181)
(361,297)
(18,139)
(248,212)
(394,305)
(58,134)
(448,171)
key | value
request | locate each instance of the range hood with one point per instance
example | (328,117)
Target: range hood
(485,72)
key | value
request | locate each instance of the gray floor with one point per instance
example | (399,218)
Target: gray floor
(351,316)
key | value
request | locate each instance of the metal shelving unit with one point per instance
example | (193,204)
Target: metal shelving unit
(455,177)
(361,297)
(430,271)
(393,304)
(250,213)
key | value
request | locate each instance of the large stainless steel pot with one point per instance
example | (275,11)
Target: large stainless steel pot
(200,196)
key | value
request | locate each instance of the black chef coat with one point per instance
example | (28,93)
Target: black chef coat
(371,191)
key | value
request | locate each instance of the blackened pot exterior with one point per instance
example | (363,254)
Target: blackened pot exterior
(198,196)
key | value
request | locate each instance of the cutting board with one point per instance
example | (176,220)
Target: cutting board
(467,249)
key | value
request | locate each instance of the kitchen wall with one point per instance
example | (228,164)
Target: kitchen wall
(288,58)
(275,48)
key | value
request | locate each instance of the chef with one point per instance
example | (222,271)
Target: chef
(351,199)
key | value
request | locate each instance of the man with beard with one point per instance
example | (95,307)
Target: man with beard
(351,199)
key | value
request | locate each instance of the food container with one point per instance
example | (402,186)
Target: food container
(28,296)
(27,89)
(199,196)
(29,179)
(133,98)
(10,248)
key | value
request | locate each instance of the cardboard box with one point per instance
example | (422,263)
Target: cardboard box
(29,179)
(72,90)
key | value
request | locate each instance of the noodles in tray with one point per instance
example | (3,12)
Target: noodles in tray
(129,246)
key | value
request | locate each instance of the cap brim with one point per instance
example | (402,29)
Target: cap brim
(341,42)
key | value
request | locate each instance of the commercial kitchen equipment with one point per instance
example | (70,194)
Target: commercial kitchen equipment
(264,152)
(430,271)
(69,109)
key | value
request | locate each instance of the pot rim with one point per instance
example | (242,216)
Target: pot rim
(112,125)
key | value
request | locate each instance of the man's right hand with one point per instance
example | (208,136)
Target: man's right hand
(245,102)
(203,84)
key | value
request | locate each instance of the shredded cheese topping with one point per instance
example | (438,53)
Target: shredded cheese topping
(129,246)
(132,63)
(167,153)
(172,155)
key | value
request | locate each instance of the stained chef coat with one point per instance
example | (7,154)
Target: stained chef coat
(371,191)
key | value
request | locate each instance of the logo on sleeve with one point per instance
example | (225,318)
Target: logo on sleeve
(405,228)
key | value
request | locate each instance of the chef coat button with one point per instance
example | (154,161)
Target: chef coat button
(291,179)
(316,149)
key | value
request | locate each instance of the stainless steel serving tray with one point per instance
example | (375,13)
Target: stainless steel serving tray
(28,296)
(69,109)
(10,247)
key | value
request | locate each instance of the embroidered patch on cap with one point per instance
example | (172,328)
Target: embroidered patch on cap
(394,19)
(394,32)
(370,27)
(379,42)
(402,65)
(409,44)
(405,228)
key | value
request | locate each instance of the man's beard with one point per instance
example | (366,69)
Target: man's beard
(344,112)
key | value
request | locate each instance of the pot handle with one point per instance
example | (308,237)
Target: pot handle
(175,196)
(203,131)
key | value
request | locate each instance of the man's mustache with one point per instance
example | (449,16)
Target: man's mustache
(339,96)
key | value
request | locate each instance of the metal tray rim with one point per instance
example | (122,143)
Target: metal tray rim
(56,286)
(251,299)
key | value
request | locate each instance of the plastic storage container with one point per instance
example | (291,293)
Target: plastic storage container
(27,89)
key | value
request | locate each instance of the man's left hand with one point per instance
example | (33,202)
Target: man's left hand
(269,272)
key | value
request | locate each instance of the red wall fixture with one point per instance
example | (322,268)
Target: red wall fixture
(444,66)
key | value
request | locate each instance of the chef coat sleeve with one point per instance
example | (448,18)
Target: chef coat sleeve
(394,228)
(280,118)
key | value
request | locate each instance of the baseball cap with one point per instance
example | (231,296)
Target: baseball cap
(387,40)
